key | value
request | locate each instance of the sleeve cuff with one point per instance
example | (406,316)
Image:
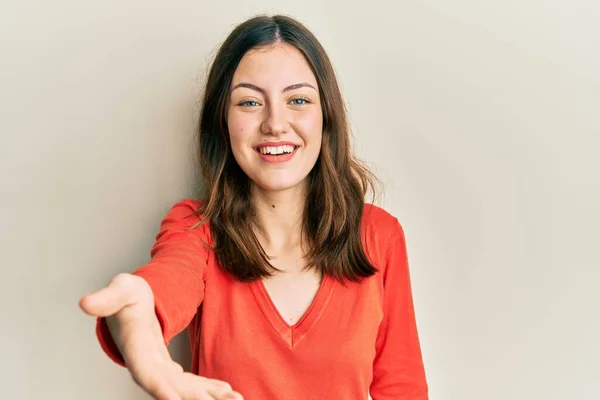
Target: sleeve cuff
(107,343)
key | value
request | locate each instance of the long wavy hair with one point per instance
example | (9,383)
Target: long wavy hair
(337,185)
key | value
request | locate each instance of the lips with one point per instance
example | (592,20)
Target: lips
(275,144)
(276,152)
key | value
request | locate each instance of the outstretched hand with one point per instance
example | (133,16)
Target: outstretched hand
(127,303)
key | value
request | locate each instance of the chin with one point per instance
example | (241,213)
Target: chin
(279,185)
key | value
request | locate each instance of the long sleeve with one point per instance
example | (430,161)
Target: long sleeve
(175,274)
(398,370)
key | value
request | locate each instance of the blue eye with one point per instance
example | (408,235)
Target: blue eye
(299,101)
(249,103)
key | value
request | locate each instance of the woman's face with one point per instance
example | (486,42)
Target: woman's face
(274,117)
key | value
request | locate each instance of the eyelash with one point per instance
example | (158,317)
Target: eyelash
(245,103)
(304,99)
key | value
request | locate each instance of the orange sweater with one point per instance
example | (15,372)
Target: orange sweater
(353,339)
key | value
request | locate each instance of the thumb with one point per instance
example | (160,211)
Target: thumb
(113,298)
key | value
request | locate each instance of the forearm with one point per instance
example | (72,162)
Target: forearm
(135,321)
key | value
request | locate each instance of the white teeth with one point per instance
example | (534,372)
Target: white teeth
(276,150)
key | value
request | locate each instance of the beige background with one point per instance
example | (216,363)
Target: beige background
(482,117)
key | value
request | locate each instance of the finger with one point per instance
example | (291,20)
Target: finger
(197,393)
(111,299)
(177,367)
(232,395)
(222,390)
(165,393)
(193,387)
(217,383)
(158,388)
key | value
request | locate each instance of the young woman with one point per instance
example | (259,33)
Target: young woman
(291,285)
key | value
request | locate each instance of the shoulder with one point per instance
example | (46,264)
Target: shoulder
(183,216)
(376,220)
(184,208)
(380,231)
(181,238)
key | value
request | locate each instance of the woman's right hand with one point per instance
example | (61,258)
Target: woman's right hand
(127,303)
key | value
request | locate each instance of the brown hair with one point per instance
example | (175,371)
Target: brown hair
(337,185)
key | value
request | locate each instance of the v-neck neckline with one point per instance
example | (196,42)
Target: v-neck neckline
(293,334)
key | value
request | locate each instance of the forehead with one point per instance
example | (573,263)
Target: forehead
(279,64)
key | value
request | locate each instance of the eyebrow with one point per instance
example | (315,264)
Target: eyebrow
(259,89)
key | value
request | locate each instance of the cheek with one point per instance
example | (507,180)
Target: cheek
(312,129)
(239,133)
(236,140)
(235,127)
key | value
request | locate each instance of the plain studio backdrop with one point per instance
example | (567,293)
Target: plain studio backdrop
(482,119)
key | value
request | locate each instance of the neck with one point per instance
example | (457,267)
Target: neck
(279,216)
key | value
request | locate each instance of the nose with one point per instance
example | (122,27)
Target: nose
(275,122)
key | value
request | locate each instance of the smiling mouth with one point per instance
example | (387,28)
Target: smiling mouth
(277,154)
(276,150)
